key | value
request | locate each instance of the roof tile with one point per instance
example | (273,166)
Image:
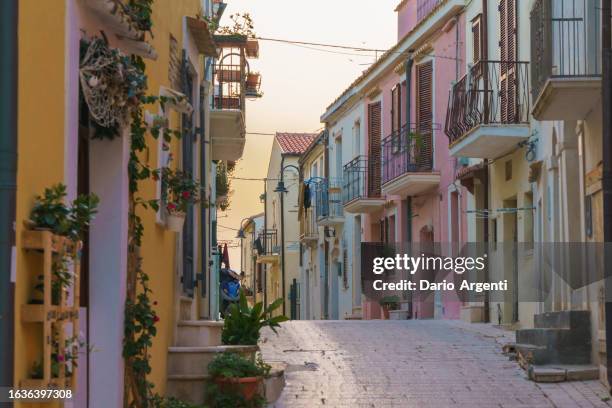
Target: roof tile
(294,143)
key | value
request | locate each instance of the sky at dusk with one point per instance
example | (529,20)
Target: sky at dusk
(299,82)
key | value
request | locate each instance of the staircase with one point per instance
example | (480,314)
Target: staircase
(198,342)
(557,347)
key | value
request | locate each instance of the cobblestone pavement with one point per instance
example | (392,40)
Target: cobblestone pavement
(427,363)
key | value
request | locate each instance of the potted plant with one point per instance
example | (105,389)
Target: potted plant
(252,48)
(52,214)
(388,303)
(233,373)
(179,190)
(252,82)
(243,323)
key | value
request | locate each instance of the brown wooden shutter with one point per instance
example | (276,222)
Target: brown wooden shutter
(477,38)
(374,136)
(508,52)
(424,92)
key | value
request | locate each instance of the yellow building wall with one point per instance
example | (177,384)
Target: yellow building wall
(40,149)
(159,244)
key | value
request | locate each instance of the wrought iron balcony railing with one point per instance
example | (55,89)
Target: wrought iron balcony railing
(266,243)
(492,92)
(565,40)
(230,73)
(329,199)
(361,179)
(407,150)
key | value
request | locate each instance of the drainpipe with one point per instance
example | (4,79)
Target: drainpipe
(606,104)
(265,228)
(282,219)
(409,64)
(203,166)
(8,174)
(326,229)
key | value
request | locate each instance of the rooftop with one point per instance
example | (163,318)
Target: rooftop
(294,143)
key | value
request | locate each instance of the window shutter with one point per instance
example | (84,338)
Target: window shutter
(508,52)
(477,38)
(423,149)
(374,136)
(345,267)
(188,167)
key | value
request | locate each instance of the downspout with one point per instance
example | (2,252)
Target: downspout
(282,219)
(203,165)
(8,173)
(265,229)
(326,229)
(409,64)
(606,104)
(485,57)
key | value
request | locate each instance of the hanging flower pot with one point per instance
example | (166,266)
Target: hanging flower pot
(252,48)
(175,221)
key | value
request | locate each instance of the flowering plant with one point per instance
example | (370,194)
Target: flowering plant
(179,189)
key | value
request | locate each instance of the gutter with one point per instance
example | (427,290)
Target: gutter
(9,10)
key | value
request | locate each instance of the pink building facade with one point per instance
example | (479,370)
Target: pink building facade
(410,192)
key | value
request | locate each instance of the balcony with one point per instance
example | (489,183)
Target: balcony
(309,231)
(266,244)
(407,164)
(227,125)
(565,58)
(488,110)
(329,208)
(361,191)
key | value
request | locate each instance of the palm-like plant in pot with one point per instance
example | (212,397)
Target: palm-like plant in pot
(243,324)
(179,190)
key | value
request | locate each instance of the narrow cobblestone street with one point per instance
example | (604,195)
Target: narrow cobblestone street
(426,363)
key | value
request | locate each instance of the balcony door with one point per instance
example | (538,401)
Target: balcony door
(509,53)
(374,139)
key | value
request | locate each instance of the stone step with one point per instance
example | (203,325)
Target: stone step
(188,388)
(558,373)
(192,388)
(196,333)
(195,360)
(568,319)
(528,354)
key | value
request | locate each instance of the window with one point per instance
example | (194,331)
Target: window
(588,216)
(508,170)
(259,278)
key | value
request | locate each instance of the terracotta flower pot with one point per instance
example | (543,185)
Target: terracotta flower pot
(252,48)
(247,386)
(175,221)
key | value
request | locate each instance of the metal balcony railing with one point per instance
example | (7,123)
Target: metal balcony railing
(361,179)
(492,92)
(425,7)
(329,199)
(565,40)
(407,150)
(229,75)
(267,243)
(308,223)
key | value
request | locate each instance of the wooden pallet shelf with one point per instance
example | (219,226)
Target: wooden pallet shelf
(60,321)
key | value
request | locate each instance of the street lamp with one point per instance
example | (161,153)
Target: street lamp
(240,233)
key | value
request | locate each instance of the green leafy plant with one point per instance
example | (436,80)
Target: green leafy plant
(226,398)
(62,279)
(140,11)
(171,402)
(243,323)
(225,171)
(389,302)
(50,212)
(179,189)
(233,365)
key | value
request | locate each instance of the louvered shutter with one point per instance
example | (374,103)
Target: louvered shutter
(423,145)
(477,38)
(187,138)
(374,136)
(508,52)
